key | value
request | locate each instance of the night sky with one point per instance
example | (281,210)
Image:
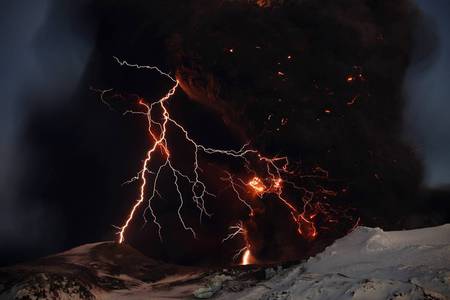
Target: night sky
(64,155)
(426,122)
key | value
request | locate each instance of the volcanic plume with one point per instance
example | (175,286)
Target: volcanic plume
(316,82)
(319,81)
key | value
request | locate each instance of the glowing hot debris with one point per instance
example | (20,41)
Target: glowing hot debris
(257,184)
(277,183)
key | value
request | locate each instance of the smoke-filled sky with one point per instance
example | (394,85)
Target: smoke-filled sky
(47,48)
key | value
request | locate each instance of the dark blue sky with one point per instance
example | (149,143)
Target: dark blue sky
(428,95)
(45,53)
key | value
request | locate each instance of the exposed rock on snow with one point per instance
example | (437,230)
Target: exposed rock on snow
(212,287)
(366,264)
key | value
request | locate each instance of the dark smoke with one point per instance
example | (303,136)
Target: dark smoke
(327,41)
(231,97)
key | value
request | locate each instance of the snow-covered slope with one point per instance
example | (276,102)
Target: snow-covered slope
(420,257)
(371,264)
(366,264)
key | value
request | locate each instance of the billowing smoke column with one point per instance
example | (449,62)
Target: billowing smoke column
(319,82)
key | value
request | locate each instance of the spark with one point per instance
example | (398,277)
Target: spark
(353,100)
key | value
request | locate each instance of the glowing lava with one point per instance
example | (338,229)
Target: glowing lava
(246,257)
(239,230)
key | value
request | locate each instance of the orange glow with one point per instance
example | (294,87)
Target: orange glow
(257,184)
(246,258)
(306,226)
(277,183)
(239,230)
(350,78)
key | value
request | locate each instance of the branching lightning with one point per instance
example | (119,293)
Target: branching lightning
(273,174)
(239,230)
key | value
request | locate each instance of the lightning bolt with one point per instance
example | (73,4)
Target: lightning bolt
(159,139)
(239,230)
(276,170)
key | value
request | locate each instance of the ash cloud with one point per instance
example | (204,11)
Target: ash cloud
(274,74)
(320,81)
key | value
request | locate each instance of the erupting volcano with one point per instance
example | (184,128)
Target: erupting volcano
(227,149)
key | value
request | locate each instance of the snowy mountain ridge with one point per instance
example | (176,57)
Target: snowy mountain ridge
(368,263)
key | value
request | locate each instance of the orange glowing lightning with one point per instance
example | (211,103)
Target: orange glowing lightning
(159,138)
(276,173)
(239,230)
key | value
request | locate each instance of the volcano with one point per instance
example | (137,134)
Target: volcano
(226,149)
